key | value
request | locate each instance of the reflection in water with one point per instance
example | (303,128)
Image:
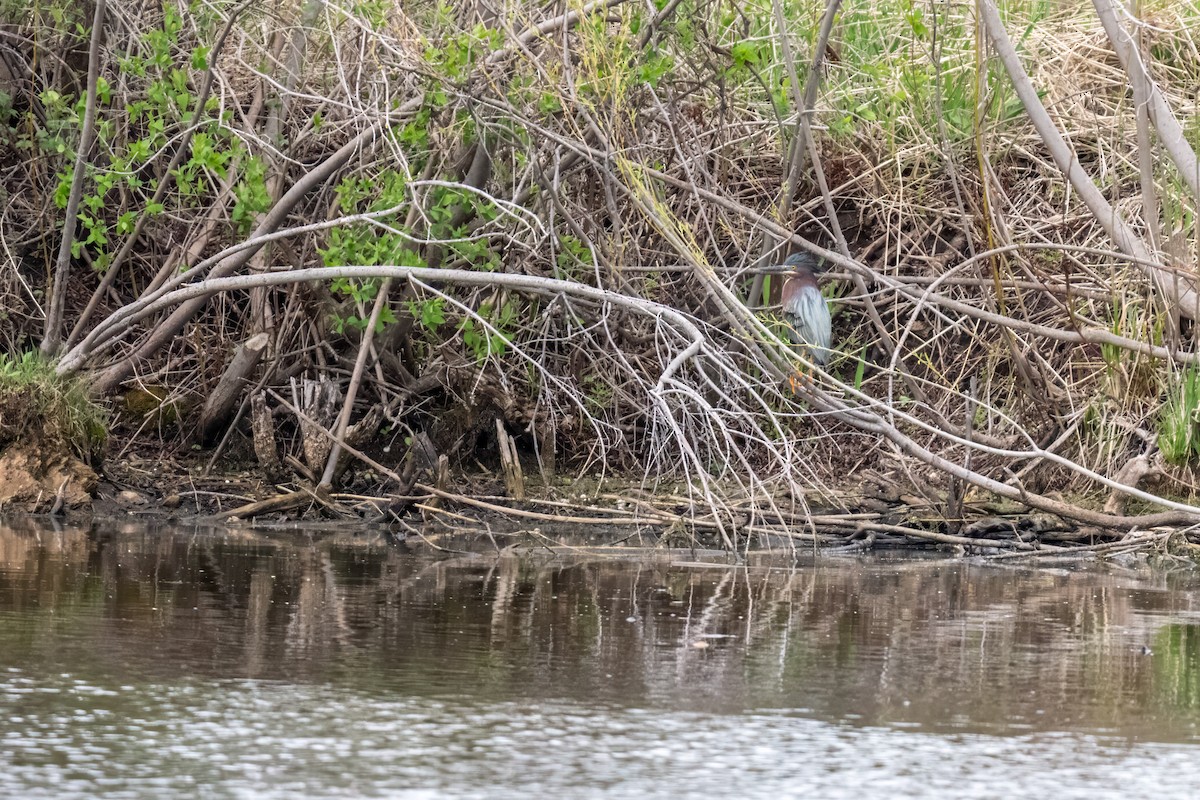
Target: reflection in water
(356,667)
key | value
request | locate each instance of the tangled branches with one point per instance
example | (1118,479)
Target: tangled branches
(562,222)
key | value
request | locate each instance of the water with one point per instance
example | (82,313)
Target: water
(148,663)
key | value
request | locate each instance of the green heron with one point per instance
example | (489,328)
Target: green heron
(804,309)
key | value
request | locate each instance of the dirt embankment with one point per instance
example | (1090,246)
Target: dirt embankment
(35,478)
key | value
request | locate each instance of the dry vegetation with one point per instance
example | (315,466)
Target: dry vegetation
(559,217)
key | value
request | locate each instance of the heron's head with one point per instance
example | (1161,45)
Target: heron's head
(805,261)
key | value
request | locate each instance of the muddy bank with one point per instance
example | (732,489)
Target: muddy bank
(33,480)
(871,511)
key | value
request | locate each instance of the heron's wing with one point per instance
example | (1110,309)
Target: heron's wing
(809,323)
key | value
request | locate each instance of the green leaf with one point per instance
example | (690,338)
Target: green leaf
(126,222)
(745,54)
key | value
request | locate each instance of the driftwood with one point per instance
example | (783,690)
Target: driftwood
(220,404)
(281,502)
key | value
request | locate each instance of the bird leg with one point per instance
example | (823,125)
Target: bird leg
(799,378)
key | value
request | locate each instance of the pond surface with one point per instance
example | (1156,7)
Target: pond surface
(150,663)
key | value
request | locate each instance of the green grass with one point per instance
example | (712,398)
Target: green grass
(1178,426)
(36,405)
